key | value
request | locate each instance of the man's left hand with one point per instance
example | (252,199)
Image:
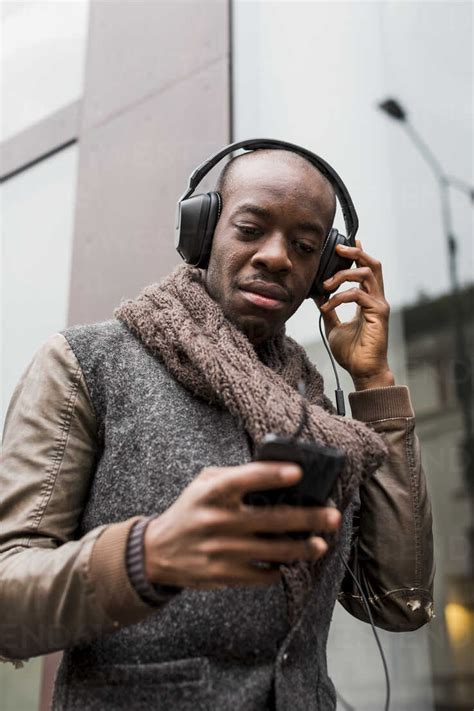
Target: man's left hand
(360,345)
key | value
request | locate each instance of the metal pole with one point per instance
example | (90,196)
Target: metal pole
(426,152)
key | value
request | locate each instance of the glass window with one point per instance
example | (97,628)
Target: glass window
(20,688)
(43,56)
(37,227)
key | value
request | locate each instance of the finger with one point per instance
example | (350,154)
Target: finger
(281,518)
(330,319)
(363,275)
(282,549)
(367,302)
(362,259)
(221,573)
(231,482)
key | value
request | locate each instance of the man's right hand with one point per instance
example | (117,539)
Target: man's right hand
(208,538)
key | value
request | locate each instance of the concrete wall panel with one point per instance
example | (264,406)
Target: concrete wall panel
(132,170)
(39,140)
(139,48)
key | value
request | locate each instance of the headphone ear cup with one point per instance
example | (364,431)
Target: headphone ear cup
(330,263)
(197,221)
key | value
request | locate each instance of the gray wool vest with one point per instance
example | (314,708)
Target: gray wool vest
(219,649)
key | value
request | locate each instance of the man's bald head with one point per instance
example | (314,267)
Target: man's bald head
(237,169)
(277,210)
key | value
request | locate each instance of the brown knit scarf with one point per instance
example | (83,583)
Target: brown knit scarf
(188,331)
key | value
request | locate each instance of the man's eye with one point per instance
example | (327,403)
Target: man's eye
(249,231)
(305,248)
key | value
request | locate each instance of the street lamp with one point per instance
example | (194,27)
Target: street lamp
(462,373)
(394,109)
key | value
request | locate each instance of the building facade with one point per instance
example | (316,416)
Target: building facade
(106,109)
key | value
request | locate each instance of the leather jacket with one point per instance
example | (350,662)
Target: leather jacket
(57,589)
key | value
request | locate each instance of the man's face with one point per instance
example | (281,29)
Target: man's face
(267,244)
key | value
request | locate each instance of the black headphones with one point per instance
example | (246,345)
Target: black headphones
(197,216)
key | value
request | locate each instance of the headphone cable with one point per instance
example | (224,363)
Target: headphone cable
(369,614)
(339,393)
(341,410)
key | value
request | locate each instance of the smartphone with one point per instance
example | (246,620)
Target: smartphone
(321,466)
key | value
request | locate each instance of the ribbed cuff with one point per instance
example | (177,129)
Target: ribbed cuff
(381,403)
(152,593)
(109,576)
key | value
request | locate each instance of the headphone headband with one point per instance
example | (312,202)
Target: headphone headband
(198,215)
(350,216)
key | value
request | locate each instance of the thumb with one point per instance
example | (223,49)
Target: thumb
(330,318)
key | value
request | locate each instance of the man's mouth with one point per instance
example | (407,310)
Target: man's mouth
(265,295)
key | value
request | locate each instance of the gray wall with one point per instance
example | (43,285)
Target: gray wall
(156,103)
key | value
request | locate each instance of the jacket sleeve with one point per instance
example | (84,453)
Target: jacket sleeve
(56,589)
(392,546)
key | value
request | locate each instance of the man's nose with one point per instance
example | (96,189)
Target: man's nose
(272,254)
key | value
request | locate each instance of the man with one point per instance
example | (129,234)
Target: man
(127,452)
